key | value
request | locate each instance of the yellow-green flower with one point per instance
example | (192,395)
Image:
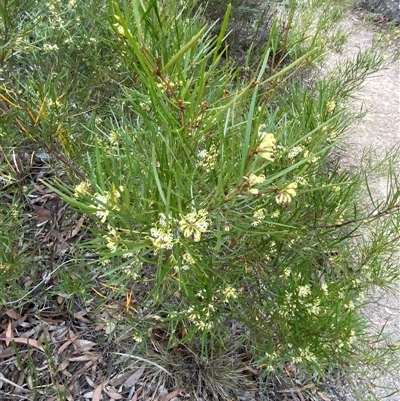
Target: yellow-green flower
(295,152)
(194,224)
(112,244)
(188,258)
(286,194)
(267,146)
(228,293)
(330,106)
(82,188)
(256,179)
(113,137)
(304,290)
(275,214)
(254,191)
(113,239)
(161,239)
(258,216)
(102,211)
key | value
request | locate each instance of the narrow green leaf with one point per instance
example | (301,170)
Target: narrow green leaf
(183,50)
(249,127)
(156,177)
(221,35)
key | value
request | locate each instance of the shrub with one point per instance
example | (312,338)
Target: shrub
(210,189)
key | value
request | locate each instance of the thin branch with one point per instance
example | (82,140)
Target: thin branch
(45,280)
(3,379)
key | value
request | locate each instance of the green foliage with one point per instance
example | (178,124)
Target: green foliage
(210,186)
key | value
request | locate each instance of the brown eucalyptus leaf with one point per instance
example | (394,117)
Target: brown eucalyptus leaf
(42,214)
(133,378)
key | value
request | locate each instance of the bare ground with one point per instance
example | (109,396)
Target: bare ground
(377,133)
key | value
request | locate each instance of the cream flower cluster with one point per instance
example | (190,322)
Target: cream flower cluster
(161,234)
(206,159)
(267,146)
(194,224)
(83,188)
(165,232)
(286,194)
(253,180)
(258,216)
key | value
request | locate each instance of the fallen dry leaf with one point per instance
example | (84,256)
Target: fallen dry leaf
(382,322)
(137,393)
(42,189)
(66,373)
(88,357)
(97,392)
(169,396)
(13,314)
(79,316)
(75,387)
(84,368)
(27,341)
(83,345)
(72,337)
(324,396)
(76,229)
(90,382)
(15,385)
(113,394)
(63,364)
(110,327)
(290,370)
(8,333)
(42,214)
(390,312)
(34,331)
(7,352)
(120,378)
(53,319)
(133,379)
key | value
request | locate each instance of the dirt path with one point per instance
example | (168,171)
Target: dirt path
(380,131)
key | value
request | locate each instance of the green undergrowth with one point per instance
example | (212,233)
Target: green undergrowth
(205,184)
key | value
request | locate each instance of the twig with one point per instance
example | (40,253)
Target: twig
(298,390)
(3,379)
(38,285)
(371,217)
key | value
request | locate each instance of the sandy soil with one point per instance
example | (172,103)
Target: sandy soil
(380,131)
